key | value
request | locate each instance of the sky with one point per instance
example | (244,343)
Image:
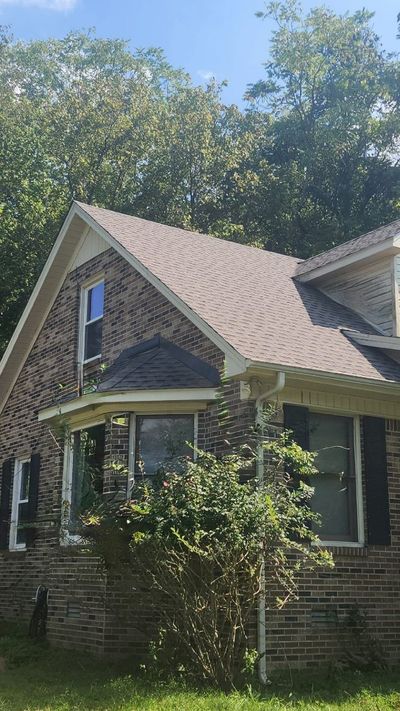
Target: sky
(221,38)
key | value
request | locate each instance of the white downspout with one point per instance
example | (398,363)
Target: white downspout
(261,618)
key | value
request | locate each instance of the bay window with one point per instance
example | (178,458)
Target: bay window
(160,439)
(84,473)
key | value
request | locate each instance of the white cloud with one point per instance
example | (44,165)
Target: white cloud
(57,5)
(205,74)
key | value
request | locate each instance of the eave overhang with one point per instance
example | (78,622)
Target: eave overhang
(389,247)
(384,388)
(166,400)
(387,343)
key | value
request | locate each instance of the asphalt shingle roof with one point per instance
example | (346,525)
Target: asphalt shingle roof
(355,245)
(157,363)
(250,297)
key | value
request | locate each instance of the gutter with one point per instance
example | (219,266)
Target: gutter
(321,376)
(261,617)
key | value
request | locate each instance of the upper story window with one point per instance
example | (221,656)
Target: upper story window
(92,322)
(337,487)
(160,439)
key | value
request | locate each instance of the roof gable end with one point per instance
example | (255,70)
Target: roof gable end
(72,248)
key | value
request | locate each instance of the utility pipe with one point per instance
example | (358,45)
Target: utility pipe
(261,617)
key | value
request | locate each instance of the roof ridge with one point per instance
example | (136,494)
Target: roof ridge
(187,231)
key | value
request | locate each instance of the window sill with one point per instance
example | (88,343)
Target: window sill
(91,361)
(343,548)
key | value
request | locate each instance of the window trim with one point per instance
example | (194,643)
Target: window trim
(16,501)
(132,439)
(85,288)
(67,538)
(360,543)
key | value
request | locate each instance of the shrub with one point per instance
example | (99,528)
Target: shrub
(200,538)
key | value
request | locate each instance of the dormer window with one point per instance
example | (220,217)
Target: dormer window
(92,322)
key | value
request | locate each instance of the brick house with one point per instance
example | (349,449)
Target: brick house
(166,310)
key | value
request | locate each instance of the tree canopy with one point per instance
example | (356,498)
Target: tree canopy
(310,161)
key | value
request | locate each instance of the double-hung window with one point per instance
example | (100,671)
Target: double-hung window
(92,321)
(20,501)
(160,439)
(337,486)
(84,468)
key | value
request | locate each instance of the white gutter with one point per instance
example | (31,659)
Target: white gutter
(261,618)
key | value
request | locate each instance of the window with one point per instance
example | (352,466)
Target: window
(337,486)
(93,307)
(84,473)
(18,535)
(160,439)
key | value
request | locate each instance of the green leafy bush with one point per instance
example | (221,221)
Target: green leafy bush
(203,539)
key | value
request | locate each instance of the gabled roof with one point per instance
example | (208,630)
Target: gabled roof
(244,299)
(375,238)
(250,298)
(157,364)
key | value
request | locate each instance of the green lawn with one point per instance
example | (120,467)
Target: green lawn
(39,679)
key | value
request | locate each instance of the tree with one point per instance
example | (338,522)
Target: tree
(311,162)
(199,538)
(85,118)
(333,93)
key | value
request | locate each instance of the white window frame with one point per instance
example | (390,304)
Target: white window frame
(360,543)
(67,538)
(132,439)
(16,501)
(86,287)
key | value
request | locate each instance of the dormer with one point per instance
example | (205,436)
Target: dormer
(362,274)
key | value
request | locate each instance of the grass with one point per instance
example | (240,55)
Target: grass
(39,679)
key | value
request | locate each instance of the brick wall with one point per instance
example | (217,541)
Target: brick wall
(314,629)
(87,610)
(134,311)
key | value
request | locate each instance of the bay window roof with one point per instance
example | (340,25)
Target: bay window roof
(157,364)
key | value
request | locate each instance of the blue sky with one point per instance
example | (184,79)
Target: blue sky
(219,37)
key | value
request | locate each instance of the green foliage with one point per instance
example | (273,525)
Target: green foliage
(57,680)
(333,92)
(202,540)
(16,649)
(311,161)
(359,649)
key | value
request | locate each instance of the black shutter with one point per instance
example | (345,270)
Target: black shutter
(27,511)
(5,502)
(31,532)
(34,485)
(297,418)
(378,515)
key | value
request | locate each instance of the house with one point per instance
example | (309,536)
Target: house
(165,310)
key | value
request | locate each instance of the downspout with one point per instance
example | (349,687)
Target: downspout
(261,617)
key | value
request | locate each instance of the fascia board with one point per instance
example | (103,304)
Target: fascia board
(13,361)
(389,246)
(391,343)
(235,362)
(324,377)
(95,400)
